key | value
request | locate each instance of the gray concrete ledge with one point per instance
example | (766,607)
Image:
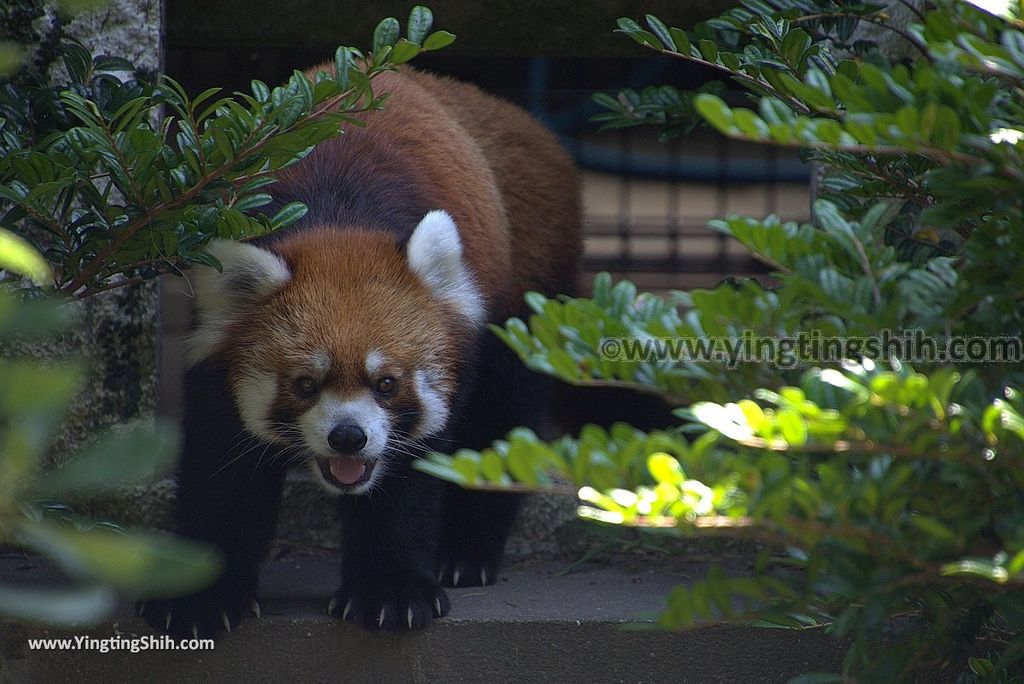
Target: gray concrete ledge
(537,624)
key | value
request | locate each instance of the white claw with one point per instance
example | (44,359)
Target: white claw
(455,577)
(348,609)
(437,606)
(227,623)
(167,622)
(141,609)
(332,605)
(440,573)
(256,609)
(408,616)
(380,618)
(483,577)
(195,631)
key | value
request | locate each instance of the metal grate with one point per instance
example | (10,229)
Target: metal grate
(652,227)
(647,203)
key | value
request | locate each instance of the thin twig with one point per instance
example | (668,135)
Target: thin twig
(923,49)
(909,5)
(741,77)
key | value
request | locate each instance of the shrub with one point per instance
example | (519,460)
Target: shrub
(101,557)
(890,476)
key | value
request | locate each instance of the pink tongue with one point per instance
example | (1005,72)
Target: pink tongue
(347,470)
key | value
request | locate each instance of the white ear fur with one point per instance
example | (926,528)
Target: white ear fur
(250,275)
(435,255)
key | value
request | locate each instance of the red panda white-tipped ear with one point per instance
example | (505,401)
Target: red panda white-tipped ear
(250,275)
(435,255)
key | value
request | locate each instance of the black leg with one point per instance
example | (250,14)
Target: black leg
(229,491)
(476,527)
(476,524)
(388,554)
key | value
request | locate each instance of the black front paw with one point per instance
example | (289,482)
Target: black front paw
(465,568)
(390,607)
(201,615)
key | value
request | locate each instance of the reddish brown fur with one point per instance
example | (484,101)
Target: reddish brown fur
(346,298)
(536,178)
(512,190)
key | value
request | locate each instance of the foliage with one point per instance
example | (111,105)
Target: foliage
(881,485)
(100,557)
(665,106)
(112,194)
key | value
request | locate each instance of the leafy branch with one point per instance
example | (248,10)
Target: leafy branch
(112,195)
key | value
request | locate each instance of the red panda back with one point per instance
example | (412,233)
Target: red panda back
(536,177)
(440,144)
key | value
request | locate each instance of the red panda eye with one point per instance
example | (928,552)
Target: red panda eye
(386,385)
(306,386)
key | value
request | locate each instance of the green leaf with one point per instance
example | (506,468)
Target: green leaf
(934,528)
(642,37)
(438,40)
(119,458)
(404,51)
(978,567)
(288,214)
(681,40)
(11,57)
(420,21)
(342,64)
(467,465)
(386,34)
(57,606)
(946,130)
(140,564)
(716,112)
(111,63)
(491,467)
(251,202)
(440,467)
(1016,564)
(708,50)
(665,468)
(18,256)
(982,667)
(78,61)
(750,124)
(792,427)
(260,90)
(661,31)
(794,45)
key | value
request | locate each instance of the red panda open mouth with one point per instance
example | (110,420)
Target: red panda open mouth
(345,471)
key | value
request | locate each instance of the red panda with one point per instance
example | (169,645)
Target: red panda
(356,340)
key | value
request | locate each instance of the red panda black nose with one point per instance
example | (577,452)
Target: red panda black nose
(347,439)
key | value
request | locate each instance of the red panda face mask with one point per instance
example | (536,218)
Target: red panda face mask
(342,347)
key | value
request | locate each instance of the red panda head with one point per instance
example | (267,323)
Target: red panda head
(340,344)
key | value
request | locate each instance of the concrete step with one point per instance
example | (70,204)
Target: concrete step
(545,524)
(543,621)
